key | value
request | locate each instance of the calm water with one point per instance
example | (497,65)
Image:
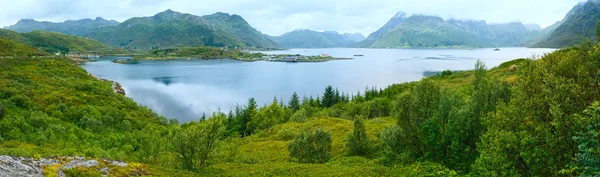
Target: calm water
(185,89)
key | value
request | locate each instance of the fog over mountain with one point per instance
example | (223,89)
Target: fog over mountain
(278,17)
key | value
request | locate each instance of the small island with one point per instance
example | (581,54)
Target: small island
(125,61)
(208,53)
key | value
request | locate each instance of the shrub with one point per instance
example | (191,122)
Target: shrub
(358,141)
(311,147)
(299,116)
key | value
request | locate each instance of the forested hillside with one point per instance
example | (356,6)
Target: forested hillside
(54,42)
(174,29)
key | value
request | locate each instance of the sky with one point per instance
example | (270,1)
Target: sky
(275,17)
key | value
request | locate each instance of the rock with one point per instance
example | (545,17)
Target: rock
(18,166)
(104,171)
(119,163)
(76,163)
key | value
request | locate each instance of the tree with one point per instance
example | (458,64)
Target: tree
(358,141)
(311,147)
(267,117)
(197,141)
(294,102)
(249,113)
(588,143)
(330,97)
(299,116)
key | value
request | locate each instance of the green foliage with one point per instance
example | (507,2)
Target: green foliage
(173,29)
(202,52)
(53,42)
(294,102)
(531,135)
(330,97)
(311,147)
(299,116)
(588,143)
(268,117)
(12,48)
(358,141)
(196,142)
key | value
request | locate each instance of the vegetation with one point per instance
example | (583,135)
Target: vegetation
(201,53)
(311,147)
(358,141)
(170,29)
(12,48)
(315,39)
(579,25)
(522,118)
(53,42)
(72,27)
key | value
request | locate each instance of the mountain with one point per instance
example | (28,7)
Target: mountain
(533,27)
(304,39)
(579,24)
(315,39)
(420,31)
(54,42)
(174,29)
(509,34)
(356,37)
(72,27)
(394,22)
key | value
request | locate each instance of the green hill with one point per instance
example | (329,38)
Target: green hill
(12,48)
(174,29)
(54,42)
(315,39)
(579,24)
(72,27)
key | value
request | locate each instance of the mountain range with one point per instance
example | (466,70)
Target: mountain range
(72,27)
(422,31)
(315,39)
(174,29)
(165,29)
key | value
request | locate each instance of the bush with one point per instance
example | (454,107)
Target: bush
(311,147)
(299,116)
(358,141)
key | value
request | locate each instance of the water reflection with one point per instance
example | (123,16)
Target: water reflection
(185,89)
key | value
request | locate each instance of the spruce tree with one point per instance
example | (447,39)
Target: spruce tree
(294,102)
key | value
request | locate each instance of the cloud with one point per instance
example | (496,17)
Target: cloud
(277,17)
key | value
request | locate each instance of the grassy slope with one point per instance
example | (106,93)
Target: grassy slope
(53,42)
(12,48)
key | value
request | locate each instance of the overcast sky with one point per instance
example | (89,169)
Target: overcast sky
(276,17)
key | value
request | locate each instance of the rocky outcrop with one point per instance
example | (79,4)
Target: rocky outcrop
(21,166)
(29,167)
